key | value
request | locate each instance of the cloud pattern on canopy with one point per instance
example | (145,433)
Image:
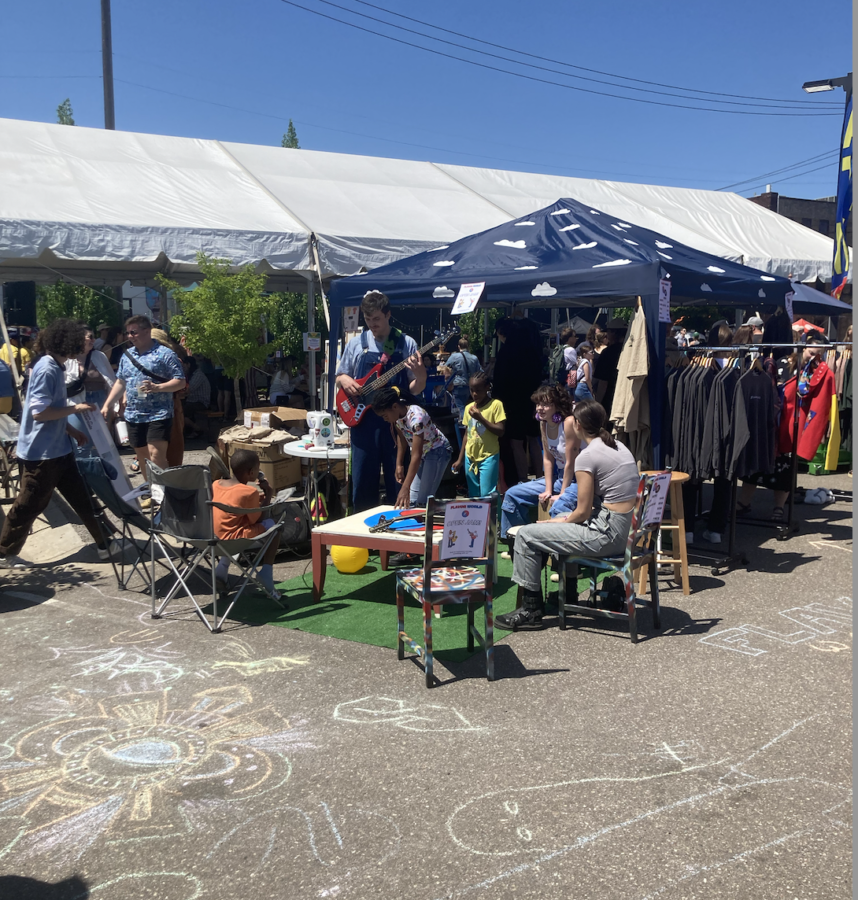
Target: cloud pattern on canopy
(443,291)
(543,290)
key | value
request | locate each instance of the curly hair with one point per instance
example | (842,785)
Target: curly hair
(556,395)
(63,337)
(386,398)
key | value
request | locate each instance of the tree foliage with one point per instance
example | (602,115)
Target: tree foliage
(290,139)
(73,301)
(64,113)
(287,322)
(223,317)
(472,324)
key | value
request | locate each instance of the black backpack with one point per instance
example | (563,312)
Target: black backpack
(296,524)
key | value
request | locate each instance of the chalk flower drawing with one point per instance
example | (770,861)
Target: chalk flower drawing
(388,711)
(117,767)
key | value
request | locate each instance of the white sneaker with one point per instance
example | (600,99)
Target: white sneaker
(555,577)
(505,555)
(712,536)
(13,562)
(115,548)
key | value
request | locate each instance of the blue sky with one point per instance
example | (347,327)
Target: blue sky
(265,61)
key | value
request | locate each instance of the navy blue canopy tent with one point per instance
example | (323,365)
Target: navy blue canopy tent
(568,254)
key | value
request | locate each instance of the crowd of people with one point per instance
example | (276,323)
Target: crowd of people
(534,424)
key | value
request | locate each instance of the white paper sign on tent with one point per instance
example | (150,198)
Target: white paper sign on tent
(466,528)
(657,499)
(664,300)
(350,318)
(788,298)
(468,297)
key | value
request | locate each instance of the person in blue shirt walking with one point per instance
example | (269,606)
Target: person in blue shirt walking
(45,447)
(149,374)
(373,447)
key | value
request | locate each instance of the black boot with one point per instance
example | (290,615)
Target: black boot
(528,616)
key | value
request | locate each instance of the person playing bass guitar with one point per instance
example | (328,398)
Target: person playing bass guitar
(373,446)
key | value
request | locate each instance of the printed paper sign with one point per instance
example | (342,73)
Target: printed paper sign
(264,420)
(466,527)
(468,297)
(788,298)
(312,340)
(99,435)
(350,318)
(657,499)
(664,300)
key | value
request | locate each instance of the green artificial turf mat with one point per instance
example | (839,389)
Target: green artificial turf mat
(362,607)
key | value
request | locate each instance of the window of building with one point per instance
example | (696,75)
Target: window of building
(823,226)
(808,223)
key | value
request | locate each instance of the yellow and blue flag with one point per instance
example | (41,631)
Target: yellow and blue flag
(840,266)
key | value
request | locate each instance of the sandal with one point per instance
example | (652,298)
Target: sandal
(135,467)
(778,514)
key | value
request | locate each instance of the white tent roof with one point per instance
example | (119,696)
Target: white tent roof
(107,206)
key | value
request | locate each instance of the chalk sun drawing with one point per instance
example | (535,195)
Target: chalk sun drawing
(389,711)
(512,824)
(118,767)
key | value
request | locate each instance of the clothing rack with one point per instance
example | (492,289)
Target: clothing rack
(783,529)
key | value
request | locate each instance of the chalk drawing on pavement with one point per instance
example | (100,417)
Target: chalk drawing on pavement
(377,710)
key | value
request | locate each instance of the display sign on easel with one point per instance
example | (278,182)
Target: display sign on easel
(466,527)
(657,500)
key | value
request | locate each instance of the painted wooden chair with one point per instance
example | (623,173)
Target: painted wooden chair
(463,573)
(640,550)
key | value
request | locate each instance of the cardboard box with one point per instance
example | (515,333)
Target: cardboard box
(285,417)
(281,471)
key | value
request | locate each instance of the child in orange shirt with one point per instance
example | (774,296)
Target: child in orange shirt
(236,491)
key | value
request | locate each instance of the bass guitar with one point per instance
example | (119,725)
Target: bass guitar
(352,410)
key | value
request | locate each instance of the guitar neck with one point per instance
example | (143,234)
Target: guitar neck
(392,373)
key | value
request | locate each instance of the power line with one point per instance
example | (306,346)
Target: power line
(790,177)
(572,65)
(735,112)
(376,137)
(791,104)
(778,171)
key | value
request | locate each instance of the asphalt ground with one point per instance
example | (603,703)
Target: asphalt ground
(146,758)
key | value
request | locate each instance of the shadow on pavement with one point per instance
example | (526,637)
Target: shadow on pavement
(20,888)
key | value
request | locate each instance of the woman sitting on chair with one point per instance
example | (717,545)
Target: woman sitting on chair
(608,478)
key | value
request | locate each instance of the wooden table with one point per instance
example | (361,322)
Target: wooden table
(352,532)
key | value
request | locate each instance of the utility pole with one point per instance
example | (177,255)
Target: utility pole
(107,65)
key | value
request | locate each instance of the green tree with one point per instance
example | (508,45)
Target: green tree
(64,113)
(290,139)
(73,301)
(223,317)
(287,322)
(472,324)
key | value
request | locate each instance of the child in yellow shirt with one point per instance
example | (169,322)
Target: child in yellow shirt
(484,427)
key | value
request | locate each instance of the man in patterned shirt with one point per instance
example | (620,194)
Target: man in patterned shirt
(149,374)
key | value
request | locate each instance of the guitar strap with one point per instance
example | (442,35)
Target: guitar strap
(389,347)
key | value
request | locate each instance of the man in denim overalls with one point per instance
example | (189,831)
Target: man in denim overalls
(373,446)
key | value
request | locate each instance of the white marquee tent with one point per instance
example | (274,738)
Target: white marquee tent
(107,206)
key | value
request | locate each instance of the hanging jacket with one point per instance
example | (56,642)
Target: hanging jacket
(813,414)
(754,430)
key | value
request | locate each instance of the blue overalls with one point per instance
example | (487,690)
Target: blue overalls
(373,445)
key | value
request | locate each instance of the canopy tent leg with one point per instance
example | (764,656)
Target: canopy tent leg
(657,336)
(311,326)
(487,344)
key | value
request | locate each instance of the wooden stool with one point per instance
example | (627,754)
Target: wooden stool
(679,553)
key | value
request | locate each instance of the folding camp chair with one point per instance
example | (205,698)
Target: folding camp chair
(187,514)
(640,549)
(469,539)
(94,471)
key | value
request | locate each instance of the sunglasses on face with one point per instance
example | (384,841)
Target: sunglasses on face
(132,333)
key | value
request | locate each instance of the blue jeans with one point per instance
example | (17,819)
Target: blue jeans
(518,500)
(582,392)
(373,449)
(485,480)
(429,475)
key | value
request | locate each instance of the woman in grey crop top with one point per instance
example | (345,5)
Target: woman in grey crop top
(607,477)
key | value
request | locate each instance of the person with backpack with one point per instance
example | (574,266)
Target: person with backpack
(463,365)
(149,374)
